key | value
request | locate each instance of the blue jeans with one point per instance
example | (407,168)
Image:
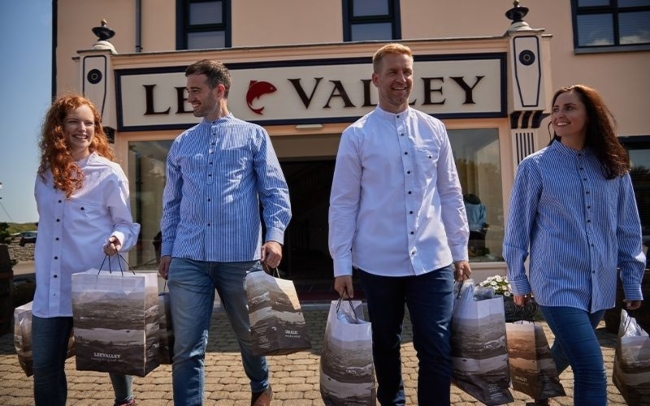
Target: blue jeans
(429,298)
(191,297)
(576,344)
(49,348)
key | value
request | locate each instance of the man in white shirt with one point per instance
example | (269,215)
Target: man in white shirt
(397,216)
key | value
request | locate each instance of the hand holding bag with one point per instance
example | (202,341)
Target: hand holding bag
(116,321)
(277,324)
(478,346)
(347,375)
(632,362)
(532,369)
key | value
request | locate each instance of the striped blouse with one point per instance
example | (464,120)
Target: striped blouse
(217,175)
(579,227)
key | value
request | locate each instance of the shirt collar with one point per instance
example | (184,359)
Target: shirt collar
(391,116)
(569,152)
(228,116)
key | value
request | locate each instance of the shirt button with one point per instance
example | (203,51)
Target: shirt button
(409,192)
(587,192)
(56,257)
(402,134)
(412,232)
(408,172)
(411,212)
(406,153)
(58,220)
(83,208)
(582,169)
(589,207)
(56,276)
(208,224)
(59,201)
(56,239)
(209,199)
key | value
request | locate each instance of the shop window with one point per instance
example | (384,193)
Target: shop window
(611,25)
(147,181)
(477,157)
(203,24)
(638,149)
(365,20)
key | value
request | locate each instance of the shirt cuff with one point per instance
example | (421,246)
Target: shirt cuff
(343,267)
(275,234)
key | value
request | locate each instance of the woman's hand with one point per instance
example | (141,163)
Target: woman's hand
(633,304)
(113,246)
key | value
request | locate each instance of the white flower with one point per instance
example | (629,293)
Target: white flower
(499,284)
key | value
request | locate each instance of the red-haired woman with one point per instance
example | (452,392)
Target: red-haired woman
(82,198)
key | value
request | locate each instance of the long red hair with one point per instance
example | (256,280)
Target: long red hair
(56,154)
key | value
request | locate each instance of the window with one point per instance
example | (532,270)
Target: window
(477,157)
(365,20)
(203,24)
(638,149)
(603,24)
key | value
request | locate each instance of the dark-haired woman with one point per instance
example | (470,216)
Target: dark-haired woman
(573,209)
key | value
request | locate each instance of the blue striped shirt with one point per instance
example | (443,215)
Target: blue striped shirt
(217,174)
(579,226)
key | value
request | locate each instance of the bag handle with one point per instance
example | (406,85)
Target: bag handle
(338,307)
(119,263)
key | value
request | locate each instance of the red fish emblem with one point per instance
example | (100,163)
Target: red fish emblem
(256,89)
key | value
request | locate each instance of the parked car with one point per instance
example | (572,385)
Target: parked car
(27,237)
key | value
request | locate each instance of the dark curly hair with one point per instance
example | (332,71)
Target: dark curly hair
(601,131)
(55,149)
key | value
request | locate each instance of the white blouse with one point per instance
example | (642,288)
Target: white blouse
(73,231)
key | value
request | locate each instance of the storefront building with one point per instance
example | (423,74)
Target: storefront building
(302,70)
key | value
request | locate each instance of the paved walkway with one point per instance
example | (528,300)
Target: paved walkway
(295,377)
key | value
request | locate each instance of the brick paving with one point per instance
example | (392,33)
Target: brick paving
(295,377)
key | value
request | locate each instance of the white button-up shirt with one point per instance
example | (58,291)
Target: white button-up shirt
(396,206)
(73,231)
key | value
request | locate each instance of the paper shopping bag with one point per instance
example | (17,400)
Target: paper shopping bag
(478,347)
(277,323)
(166,332)
(532,369)
(23,338)
(347,375)
(632,362)
(116,321)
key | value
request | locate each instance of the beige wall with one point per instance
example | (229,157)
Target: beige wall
(286,22)
(621,77)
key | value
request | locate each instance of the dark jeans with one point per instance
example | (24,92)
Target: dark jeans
(429,299)
(576,344)
(49,348)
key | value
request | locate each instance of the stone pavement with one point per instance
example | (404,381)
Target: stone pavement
(295,377)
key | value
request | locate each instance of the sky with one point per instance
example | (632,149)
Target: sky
(26,91)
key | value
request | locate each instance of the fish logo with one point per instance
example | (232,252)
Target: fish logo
(256,89)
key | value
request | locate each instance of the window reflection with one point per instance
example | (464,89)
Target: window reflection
(147,180)
(477,157)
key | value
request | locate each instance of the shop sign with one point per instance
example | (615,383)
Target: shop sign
(307,92)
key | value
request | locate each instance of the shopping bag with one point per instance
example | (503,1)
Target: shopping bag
(166,333)
(347,376)
(632,362)
(116,322)
(478,346)
(277,323)
(532,369)
(23,338)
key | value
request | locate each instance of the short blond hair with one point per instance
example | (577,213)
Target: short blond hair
(393,48)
